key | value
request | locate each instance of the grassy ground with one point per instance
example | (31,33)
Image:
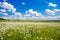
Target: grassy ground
(29,30)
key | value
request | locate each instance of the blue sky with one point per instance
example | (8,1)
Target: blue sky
(38,5)
(45,7)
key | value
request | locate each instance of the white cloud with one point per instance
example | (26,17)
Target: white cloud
(5,14)
(5,17)
(0,3)
(8,6)
(27,15)
(12,17)
(52,17)
(4,0)
(50,12)
(31,14)
(13,10)
(56,10)
(52,5)
(2,10)
(18,14)
(23,3)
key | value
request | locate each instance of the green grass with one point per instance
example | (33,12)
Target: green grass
(17,30)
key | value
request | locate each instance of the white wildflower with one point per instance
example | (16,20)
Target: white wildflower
(51,39)
(41,38)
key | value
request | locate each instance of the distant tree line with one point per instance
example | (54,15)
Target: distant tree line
(2,19)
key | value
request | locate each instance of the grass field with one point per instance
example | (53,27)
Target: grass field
(29,30)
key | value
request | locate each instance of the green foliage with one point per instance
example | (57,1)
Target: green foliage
(2,19)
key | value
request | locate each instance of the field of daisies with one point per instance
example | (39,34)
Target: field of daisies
(29,30)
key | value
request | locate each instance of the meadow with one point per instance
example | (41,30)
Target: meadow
(29,30)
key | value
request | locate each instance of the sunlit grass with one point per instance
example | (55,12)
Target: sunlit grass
(29,31)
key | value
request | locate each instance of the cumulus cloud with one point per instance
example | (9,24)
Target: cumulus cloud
(52,5)
(16,16)
(50,12)
(8,6)
(57,10)
(52,18)
(27,15)
(5,14)
(3,10)
(31,14)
